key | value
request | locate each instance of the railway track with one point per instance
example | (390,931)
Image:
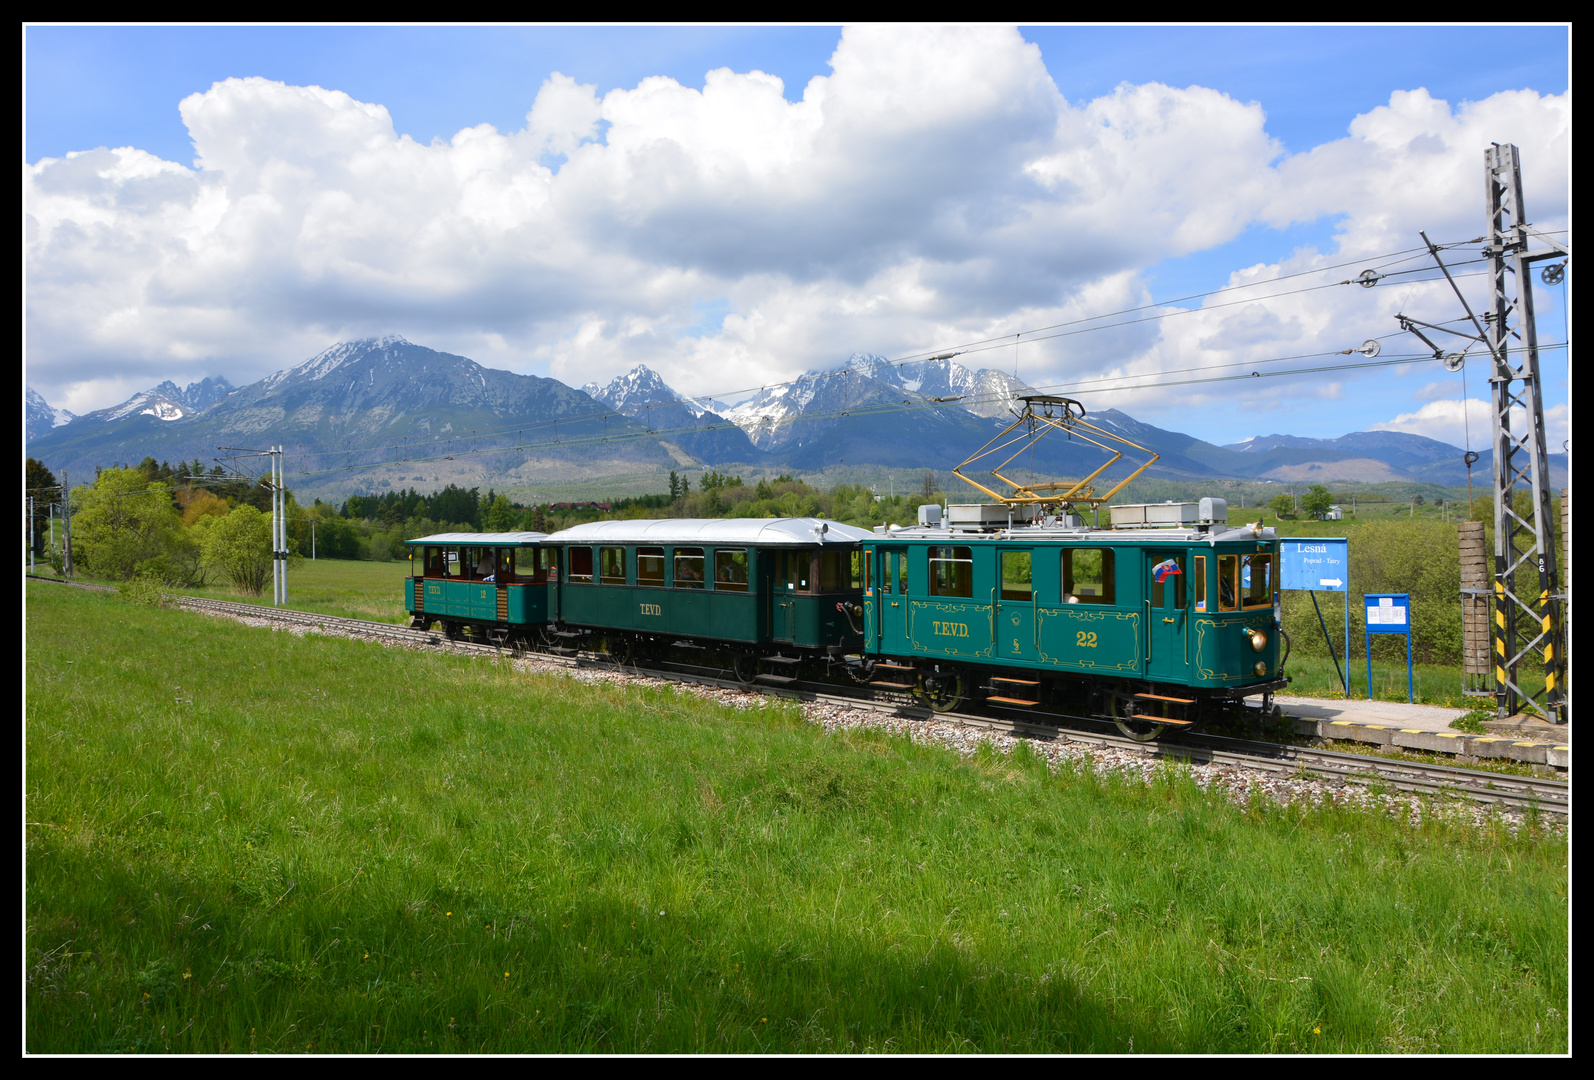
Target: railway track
(1496,789)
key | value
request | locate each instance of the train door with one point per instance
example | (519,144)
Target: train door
(893,598)
(1167,623)
(791,570)
(871,601)
(1015,607)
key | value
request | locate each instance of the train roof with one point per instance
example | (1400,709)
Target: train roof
(503,539)
(1080,534)
(768,532)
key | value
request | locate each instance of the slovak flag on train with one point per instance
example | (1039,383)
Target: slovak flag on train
(1163,570)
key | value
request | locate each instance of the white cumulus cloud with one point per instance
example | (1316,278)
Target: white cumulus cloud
(934,188)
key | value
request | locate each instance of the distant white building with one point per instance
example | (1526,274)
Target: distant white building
(1335,513)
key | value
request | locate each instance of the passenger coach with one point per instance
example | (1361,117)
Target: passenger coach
(770,591)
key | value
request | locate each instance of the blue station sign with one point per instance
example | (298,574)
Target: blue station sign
(1319,564)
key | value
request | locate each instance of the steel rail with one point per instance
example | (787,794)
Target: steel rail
(1499,789)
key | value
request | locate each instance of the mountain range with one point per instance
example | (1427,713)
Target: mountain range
(384,411)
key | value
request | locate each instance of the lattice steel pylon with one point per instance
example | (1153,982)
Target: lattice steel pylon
(1528,628)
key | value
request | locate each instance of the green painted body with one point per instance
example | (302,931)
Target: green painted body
(436,595)
(1145,633)
(768,612)
(473,601)
(1126,628)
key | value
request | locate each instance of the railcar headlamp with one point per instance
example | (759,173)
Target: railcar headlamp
(1261,668)
(1258,640)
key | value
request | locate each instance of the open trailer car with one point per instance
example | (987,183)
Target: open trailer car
(489,585)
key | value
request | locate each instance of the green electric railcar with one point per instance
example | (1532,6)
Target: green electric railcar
(1149,626)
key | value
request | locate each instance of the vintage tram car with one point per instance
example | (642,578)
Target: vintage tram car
(1151,625)
(494,586)
(1154,625)
(768,595)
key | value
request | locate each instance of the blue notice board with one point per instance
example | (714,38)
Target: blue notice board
(1320,564)
(1389,613)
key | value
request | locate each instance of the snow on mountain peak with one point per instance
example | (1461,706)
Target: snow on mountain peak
(329,360)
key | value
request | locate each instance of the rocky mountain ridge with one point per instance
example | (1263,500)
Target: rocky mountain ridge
(390,409)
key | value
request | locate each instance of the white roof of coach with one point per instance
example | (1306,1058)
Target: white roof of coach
(765,531)
(505,539)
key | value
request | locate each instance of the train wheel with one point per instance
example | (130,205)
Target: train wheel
(744,667)
(621,651)
(941,690)
(1136,727)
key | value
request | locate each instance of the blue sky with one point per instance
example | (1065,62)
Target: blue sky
(89,87)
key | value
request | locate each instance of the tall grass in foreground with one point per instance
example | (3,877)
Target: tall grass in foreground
(242,840)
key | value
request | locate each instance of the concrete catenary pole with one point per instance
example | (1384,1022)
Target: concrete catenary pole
(66,525)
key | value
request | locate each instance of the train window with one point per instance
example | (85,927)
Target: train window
(1199,580)
(832,571)
(688,568)
(435,562)
(730,570)
(855,572)
(580,564)
(650,566)
(902,573)
(951,571)
(479,563)
(611,565)
(792,569)
(1016,583)
(1088,576)
(1256,581)
(549,568)
(888,562)
(1228,569)
(1159,589)
(868,573)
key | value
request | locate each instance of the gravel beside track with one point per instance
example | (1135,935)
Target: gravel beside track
(1241,769)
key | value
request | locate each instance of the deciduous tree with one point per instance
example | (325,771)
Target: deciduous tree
(239,546)
(120,521)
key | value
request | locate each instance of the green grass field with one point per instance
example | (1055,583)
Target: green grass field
(346,587)
(1432,684)
(241,840)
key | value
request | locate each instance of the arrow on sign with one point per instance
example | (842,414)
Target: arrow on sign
(1334,581)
